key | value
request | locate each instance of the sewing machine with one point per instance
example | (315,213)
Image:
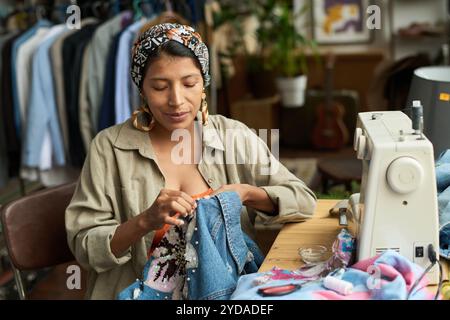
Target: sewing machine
(397,206)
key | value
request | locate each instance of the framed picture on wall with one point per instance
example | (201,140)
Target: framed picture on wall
(340,21)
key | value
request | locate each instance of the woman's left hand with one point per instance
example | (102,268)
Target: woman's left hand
(241,189)
(251,196)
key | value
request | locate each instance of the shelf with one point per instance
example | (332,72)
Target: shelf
(427,21)
(441,36)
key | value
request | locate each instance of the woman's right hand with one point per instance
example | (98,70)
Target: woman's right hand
(166,209)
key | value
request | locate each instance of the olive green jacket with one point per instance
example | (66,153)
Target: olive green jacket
(120,179)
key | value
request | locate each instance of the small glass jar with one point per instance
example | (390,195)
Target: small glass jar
(313,254)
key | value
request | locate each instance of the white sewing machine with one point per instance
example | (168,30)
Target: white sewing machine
(397,207)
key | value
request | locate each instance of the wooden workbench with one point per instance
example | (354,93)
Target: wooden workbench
(321,229)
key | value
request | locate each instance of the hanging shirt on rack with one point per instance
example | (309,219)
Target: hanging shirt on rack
(15,48)
(83,111)
(42,113)
(98,52)
(25,57)
(13,144)
(58,76)
(106,117)
(73,50)
(3,146)
(23,70)
(123,78)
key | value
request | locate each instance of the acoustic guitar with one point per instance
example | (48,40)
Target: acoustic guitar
(330,132)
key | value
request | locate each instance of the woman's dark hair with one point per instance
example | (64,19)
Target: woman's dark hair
(173,49)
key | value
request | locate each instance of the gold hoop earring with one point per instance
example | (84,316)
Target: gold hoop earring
(204,108)
(139,123)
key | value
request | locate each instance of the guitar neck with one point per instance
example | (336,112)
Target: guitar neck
(329,86)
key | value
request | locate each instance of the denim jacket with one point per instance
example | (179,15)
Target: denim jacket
(217,253)
(443,188)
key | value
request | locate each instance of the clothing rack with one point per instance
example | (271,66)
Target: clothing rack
(41,15)
(100,9)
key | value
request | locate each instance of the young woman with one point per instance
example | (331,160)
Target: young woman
(139,178)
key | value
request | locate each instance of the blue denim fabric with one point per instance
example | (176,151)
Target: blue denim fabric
(443,188)
(224,253)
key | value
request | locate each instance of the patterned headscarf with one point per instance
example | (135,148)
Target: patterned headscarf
(159,34)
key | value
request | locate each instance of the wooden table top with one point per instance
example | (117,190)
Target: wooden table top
(321,229)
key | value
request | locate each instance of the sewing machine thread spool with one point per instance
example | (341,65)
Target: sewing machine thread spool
(417,117)
(340,286)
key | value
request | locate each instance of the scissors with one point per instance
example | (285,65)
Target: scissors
(281,290)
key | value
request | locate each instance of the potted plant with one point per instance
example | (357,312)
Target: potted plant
(277,64)
(240,20)
(286,51)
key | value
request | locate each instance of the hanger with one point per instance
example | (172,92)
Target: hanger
(95,7)
(59,11)
(125,5)
(143,8)
(106,8)
(115,7)
(40,12)
(182,8)
(168,5)
(86,10)
(92,9)
(137,9)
